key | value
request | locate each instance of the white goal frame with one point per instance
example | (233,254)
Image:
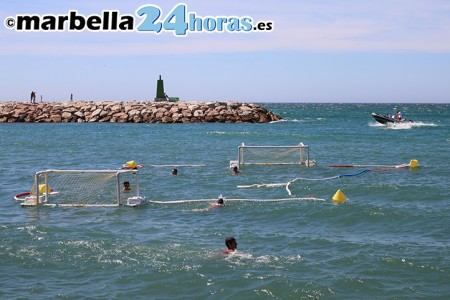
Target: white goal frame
(300,149)
(44,190)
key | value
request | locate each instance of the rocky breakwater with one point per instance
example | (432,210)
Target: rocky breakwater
(135,112)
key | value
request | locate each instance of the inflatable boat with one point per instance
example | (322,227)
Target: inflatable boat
(385,119)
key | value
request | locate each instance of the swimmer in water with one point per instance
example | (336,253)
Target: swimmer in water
(126,186)
(231,244)
(218,204)
(235,170)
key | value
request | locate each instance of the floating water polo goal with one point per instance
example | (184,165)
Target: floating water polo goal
(75,188)
(273,155)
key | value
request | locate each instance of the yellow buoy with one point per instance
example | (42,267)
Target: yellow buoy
(339,197)
(413,163)
(43,189)
(131,164)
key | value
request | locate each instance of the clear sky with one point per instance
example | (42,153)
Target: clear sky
(395,51)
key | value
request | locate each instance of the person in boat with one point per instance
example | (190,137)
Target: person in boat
(231,244)
(219,203)
(398,115)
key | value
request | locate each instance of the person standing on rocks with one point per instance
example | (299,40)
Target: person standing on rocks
(33,97)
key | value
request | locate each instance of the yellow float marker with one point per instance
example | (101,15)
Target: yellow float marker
(43,189)
(339,197)
(131,164)
(413,163)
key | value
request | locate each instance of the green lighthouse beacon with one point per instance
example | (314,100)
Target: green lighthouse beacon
(160,94)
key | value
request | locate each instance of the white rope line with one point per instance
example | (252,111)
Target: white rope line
(258,185)
(167,166)
(370,166)
(285,184)
(71,205)
(234,200)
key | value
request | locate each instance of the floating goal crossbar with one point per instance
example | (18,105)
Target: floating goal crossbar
(82,188)
(273,155)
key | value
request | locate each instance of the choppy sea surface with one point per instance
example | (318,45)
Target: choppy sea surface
(389,240)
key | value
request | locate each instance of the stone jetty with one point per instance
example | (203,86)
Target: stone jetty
(135,112)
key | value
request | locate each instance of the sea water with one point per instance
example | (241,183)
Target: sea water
(389,240)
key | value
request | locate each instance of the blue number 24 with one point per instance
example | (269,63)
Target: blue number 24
(174,21)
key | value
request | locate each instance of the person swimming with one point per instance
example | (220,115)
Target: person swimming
(219,203)
(231,244)
(235,170)
(126,186)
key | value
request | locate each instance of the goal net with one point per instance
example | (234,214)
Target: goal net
(83,187)
(274,155)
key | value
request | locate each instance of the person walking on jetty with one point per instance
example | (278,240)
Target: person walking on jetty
(33,97)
